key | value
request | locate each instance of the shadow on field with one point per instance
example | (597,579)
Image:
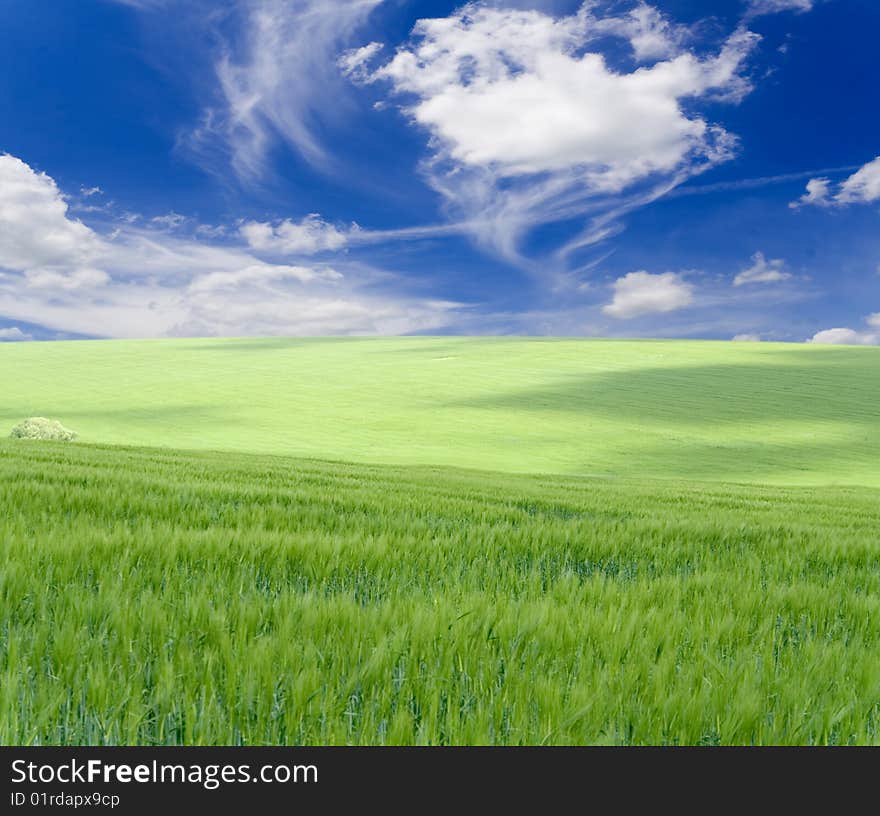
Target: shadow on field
(833,387)
(843,462)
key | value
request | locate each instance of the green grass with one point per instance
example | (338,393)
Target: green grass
(481,541)
(157,597)
(763,413)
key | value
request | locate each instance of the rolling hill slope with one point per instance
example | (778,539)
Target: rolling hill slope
(456,575)
(750,412)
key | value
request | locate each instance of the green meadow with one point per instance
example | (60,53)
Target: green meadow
(773,413)
(441,541)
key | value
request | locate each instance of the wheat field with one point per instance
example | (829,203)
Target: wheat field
(658,552)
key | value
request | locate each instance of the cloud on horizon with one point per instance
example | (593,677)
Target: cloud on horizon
(146,282)
(14,334)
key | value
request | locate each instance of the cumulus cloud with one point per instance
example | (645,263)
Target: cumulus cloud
(37,234)
(762,270)
(149,282)
(746,338)
(845,337)
(862,187)
(13,334)
(650,34)
(510,90)
(288,237)
(818,193)
(852,337)
(529,123)
(277,84)
(641,293)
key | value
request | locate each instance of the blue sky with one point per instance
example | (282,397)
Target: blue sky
(292,167)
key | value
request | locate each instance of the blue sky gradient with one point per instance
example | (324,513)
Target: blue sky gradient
(172,168)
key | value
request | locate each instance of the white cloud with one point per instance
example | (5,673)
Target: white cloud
(650,34)
(510,90)
(862,187)
(760,7)
(754,183)
(211,231)
(529,124)
(287,237)
(747,338)
(36,232)
(845,337)
(148,282)
(310,314)
(259,275)
(88,192)
(641,293)
(353,63)
(171,220)
(282,84)
(873,320)
(818,193)
(13,334)
(74,278)
(762,270)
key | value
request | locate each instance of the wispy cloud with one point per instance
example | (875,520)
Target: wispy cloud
(758,8)
(763,270)
(275,85)
(141,5)
(171,220)
(756,183)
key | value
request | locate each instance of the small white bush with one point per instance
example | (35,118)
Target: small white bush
(42,428)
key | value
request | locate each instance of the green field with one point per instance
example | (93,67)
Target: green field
(773,413)
(455,541)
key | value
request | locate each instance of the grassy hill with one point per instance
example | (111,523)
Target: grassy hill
(158,597)
(774,413)
(482,541)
